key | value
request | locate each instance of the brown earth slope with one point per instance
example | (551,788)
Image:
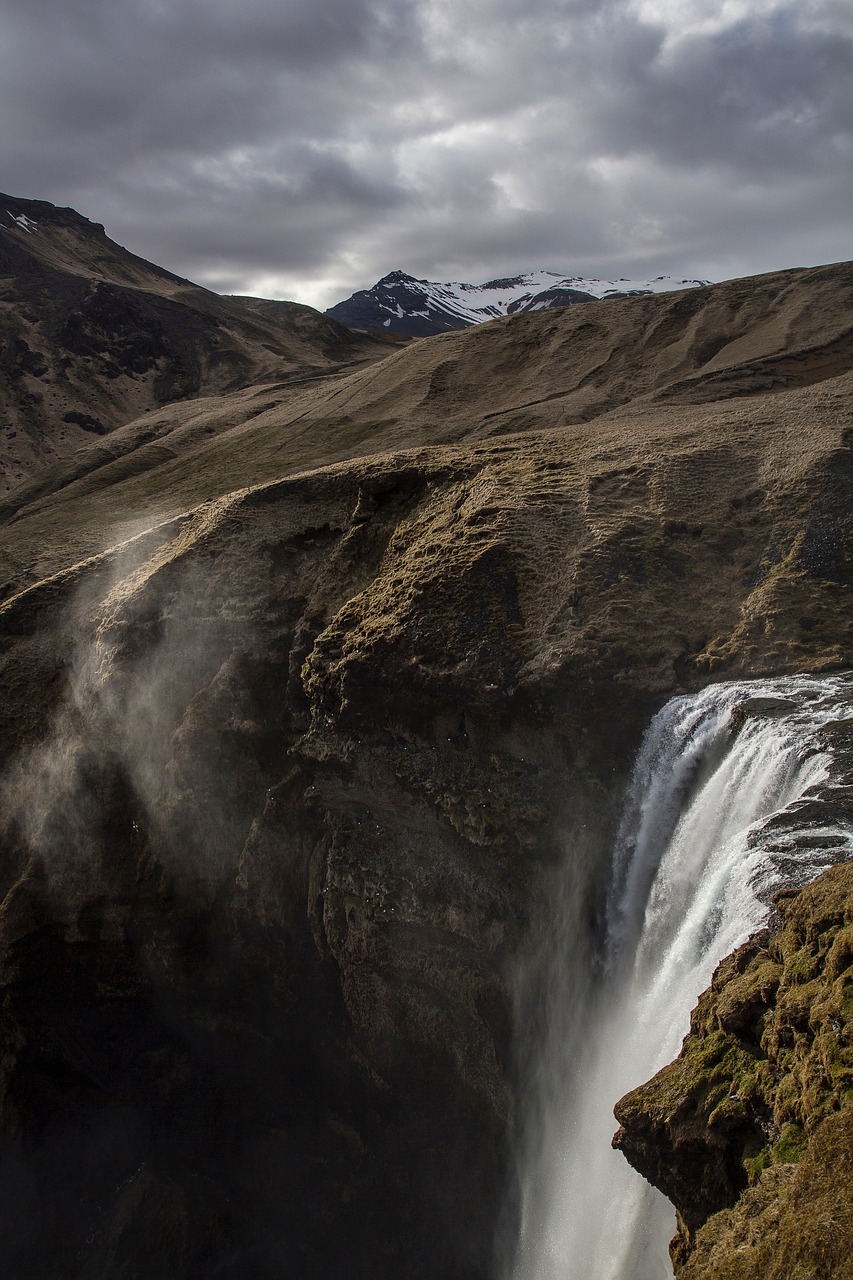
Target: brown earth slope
(92,336)
(290,760)
(593,374)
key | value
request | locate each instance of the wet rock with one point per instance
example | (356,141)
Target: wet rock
(749,1130)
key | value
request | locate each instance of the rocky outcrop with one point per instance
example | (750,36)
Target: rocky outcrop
(750,1131)
(262,894)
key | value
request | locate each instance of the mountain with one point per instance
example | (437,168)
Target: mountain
(321,696)
(91,336)
(420,308)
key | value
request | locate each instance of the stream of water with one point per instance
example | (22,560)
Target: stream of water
(709,830)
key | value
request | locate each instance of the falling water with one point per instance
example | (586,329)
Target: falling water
(709,831)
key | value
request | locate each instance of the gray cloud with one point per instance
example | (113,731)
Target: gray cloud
(303,149)
(762,95)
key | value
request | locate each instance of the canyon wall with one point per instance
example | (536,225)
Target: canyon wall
(288,775)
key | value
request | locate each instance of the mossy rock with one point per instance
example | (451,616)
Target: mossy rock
(753,1122)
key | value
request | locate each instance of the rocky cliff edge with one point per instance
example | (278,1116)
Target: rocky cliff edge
(750,1131)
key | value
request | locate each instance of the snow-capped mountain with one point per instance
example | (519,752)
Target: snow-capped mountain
(401,304)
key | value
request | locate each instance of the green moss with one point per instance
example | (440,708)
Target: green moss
(755,1165)
(840,954)
(767,1040)
(791,1145)
(787,1098)
(800,967)
(715,1095)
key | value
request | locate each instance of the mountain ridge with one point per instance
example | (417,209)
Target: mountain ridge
(404,304)
(91,336)
(586,370)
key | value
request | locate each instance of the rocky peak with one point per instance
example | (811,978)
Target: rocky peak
(418,308)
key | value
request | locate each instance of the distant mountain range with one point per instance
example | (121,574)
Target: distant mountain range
(400,303)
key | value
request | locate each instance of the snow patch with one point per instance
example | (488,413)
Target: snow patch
(25,223)
(475,303)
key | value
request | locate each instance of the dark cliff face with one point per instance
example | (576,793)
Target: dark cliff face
(287,776)
(301,766)
(266,874)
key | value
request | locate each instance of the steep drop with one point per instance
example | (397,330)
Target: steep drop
(725,785)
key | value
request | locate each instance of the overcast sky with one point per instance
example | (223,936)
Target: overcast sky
(303,148)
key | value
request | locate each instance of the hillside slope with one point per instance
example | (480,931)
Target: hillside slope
(91,336)
(589,374)
(308,692)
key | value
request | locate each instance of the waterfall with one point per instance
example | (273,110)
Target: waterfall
(726,785)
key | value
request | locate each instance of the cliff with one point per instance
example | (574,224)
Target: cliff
(292,751)
(750,1131)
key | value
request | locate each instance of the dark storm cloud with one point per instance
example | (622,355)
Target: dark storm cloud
(764,93)
(304,148)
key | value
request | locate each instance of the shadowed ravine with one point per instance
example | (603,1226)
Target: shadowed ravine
(726,785)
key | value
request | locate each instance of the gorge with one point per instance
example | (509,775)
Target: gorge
(323,693)
(734,795)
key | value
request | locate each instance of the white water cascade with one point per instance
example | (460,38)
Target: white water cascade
(726,785)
